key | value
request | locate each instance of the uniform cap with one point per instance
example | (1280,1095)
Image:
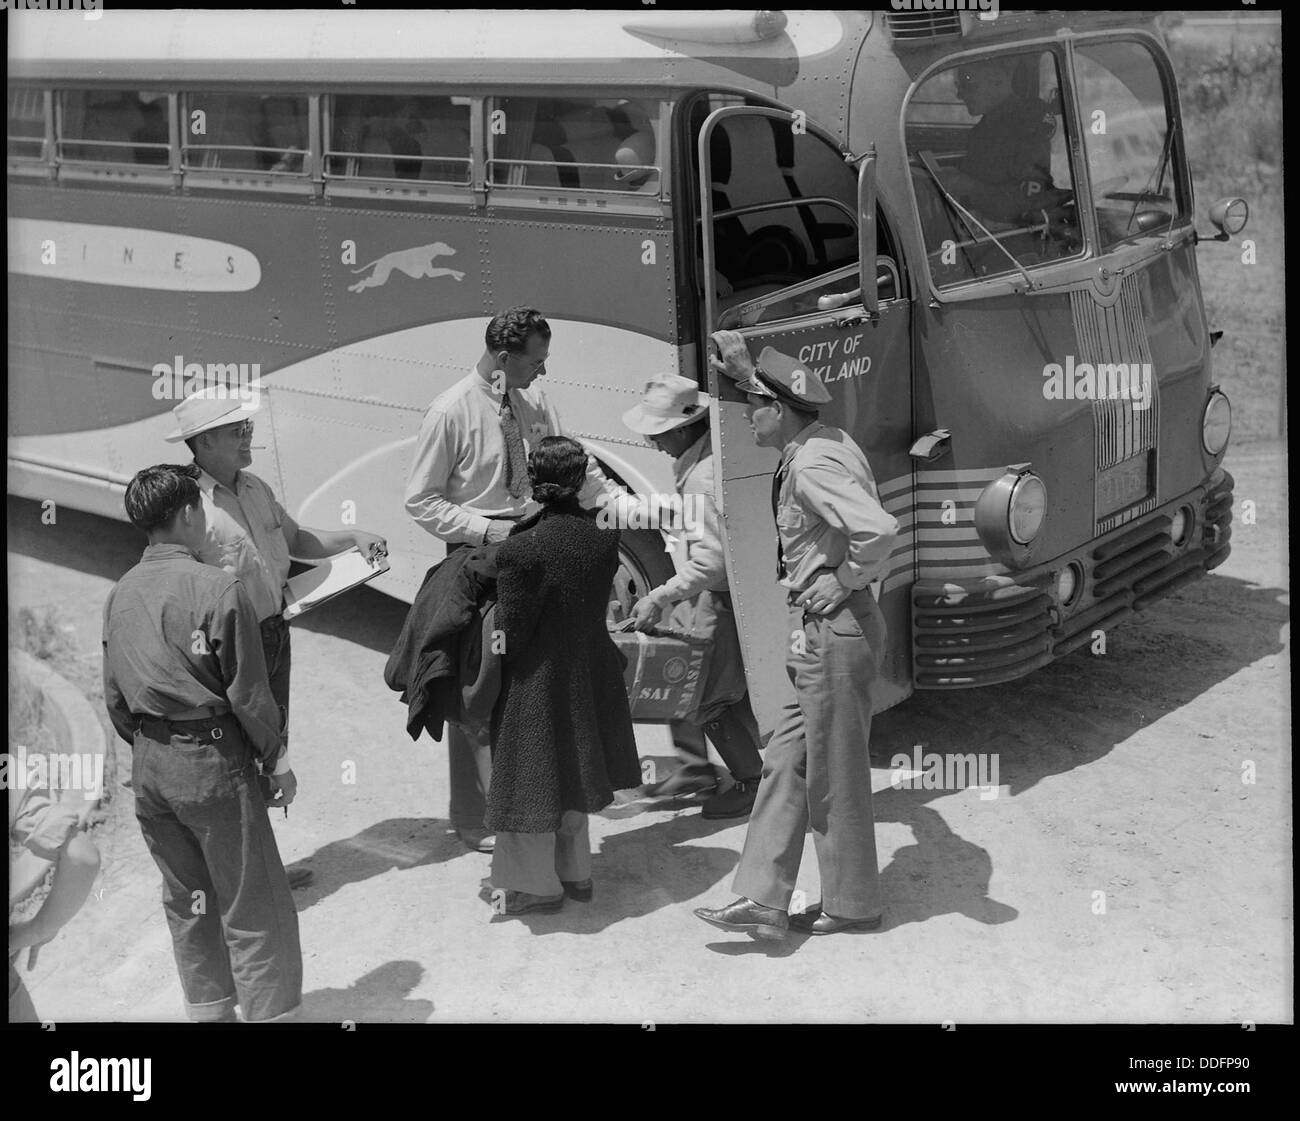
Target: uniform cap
(783,377)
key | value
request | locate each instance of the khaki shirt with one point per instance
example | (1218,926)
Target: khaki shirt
(457,481)
(828,511)
(699,558)
(249,535)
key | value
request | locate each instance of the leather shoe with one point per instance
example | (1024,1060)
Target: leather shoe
(300,877)
(690,779)
(521,902)
(817,921)
(735,802)
(477,840)
(581,890)
(744,916)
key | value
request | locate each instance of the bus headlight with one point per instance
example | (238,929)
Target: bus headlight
(1216,423)
(1179,525)
(1026,509)
(1009,514)
(1068,582)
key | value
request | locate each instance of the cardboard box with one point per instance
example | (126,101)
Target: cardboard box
(664,674)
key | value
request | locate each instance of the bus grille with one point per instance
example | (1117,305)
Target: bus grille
(923,27)
(1122,434)
(965,639)
(968,634)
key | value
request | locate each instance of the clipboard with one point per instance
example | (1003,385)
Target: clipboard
(330,578)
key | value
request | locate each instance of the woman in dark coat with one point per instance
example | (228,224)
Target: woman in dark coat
(562,738)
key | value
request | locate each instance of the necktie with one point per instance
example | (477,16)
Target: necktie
(516,459)
(777,480)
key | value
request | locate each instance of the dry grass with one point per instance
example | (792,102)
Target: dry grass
(1231,93)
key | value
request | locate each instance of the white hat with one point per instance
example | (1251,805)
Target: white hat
(670,401)
(210,408)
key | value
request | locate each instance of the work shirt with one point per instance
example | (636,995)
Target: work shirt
(828,511)
(249,535)
(179,635)
(1009,149)
(457,481)
(699,558)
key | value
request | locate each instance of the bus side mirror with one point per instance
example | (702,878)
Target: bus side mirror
(1229,217)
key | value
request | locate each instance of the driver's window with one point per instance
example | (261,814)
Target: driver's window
(784,204)
(990,166)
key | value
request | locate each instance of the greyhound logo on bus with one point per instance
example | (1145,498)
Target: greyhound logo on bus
(416,263)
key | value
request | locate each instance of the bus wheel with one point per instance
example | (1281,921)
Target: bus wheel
(643,565)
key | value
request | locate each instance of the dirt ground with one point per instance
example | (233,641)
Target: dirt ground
(1119,774)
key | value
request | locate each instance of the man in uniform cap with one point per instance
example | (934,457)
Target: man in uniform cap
(249,533)
(674,417)
(833,538)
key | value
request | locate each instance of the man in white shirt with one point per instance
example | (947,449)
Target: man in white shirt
(468,485)
(249,533)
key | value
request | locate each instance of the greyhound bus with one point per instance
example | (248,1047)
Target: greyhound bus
(335,202)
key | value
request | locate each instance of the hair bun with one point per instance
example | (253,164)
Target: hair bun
(552,492)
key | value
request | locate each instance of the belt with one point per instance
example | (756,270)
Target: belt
(162,727)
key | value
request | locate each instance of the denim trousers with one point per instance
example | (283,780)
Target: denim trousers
(226,895)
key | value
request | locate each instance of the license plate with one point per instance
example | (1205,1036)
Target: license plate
(1123,484)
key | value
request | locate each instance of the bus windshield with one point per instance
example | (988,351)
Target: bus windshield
(990,167)
(1129,143)
(988,144)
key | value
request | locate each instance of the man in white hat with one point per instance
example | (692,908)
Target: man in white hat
(250,534)
(674,417)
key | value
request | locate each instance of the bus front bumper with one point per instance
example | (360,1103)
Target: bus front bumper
(979,632)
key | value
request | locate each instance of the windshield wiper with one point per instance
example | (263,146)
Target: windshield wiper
(927,161)
(1146,194)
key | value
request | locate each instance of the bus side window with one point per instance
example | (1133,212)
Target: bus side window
(246,132)
(114,126)
(399,136)
(605,144)
(26,127)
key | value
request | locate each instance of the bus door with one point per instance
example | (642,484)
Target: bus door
(781,244)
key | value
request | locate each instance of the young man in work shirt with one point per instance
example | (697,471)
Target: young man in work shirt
(468,485)
(185,683)
(833,537)
(249,533)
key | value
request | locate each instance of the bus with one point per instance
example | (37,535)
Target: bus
(333,203)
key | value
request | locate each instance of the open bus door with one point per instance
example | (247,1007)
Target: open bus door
(801,260)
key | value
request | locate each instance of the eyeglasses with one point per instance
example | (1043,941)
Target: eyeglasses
(533,367)
(240,428)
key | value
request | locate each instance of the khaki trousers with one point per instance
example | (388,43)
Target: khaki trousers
(816,769)
(537,862)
